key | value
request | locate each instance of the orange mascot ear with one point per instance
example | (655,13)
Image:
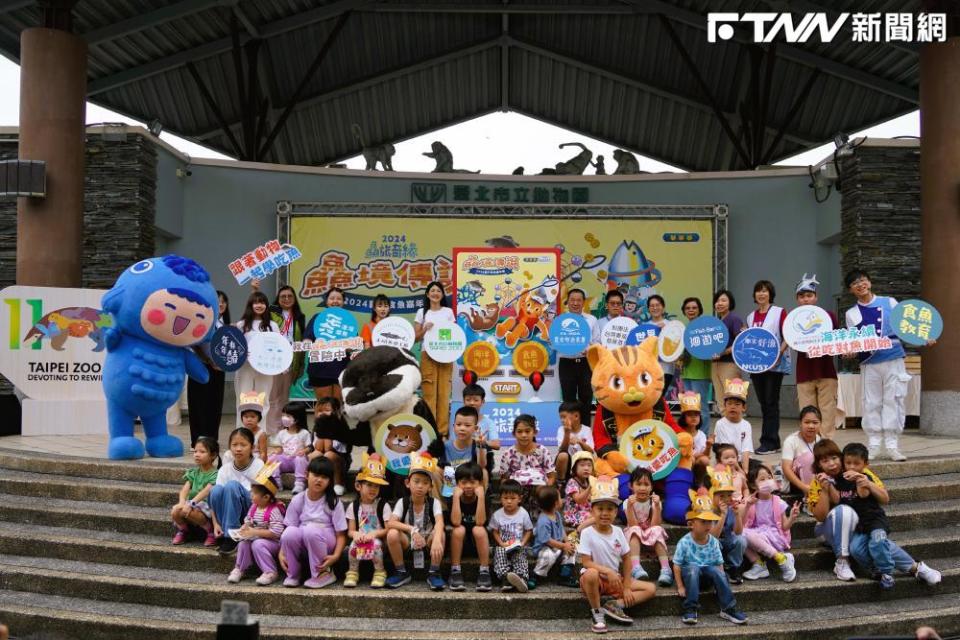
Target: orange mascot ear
(595,354)
(650,346)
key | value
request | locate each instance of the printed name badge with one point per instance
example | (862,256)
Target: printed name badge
(706,337)
(445,342)
(569,334)
(916,322)
(804,326)
(228,348)
(641,332)
(651,444)
(616,332)
(400,436)
(269,353)
(393,331)
(335,324)
(670,343)
(756,350)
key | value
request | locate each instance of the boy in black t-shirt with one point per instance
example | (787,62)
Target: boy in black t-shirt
(468,516)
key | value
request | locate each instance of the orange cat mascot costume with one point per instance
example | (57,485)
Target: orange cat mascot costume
(628,385)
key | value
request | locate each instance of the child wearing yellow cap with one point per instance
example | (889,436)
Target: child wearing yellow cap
(367,522)
(260,534)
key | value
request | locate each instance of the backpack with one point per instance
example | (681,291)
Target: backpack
(266,516)
(380,505)
(428,513)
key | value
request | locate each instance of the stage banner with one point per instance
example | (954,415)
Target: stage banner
(398,256)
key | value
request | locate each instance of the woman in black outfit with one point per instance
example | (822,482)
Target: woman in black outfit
(205,401)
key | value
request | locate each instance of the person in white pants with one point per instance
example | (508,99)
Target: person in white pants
(884,377)
(256,318)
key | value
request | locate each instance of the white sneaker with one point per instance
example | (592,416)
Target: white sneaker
(895,455)
(757,571)
(267,578)
(297,487)
(842,570)
(788,568)
(875,453)
(338,489)
(927,574)
(235,575)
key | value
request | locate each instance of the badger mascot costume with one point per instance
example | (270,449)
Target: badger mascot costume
(628,385)
(378,384)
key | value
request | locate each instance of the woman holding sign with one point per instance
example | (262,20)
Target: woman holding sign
(656,307)
(205,401)
(767,384)
(381,310)
(694,371)
(437,376)
(287,315)
(256,319)
(723,367)
(325,376)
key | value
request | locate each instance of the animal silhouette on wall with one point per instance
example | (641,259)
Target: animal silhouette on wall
(575,166)
(382,154)
(444,159)
(627,163)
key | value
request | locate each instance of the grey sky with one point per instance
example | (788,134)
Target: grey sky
(496,143)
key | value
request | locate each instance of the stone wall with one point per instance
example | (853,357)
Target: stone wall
(880,218)
(119,210)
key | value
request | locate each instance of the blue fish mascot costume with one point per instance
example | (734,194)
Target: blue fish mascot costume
(161,308)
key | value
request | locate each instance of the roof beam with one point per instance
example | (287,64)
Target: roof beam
(150,19)
(216,47)
(6,6)
(386,76)
(790,52)
(467,7)
(639,84)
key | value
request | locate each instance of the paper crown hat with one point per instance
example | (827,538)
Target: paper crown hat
(701,505)
(578,456)
(423,463)
(251,401)
(808,283)
(372,469)
(689,401)
(709,516)
(721,479)
(604,489)
(265,478)
(735,388)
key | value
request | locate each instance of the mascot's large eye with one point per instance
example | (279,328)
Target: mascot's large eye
(616,383)
(645,379)
(141,267)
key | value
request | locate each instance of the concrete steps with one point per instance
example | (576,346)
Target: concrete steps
(84,549)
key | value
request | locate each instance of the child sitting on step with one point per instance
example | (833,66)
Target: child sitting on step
(767,525)
(550,542)
(643,510)
(468,517)
(727,457)
(316,529)
(293,445)
(367,522)
(198,482)
(230,498)
(576,502)
(862,490)
(729,528)
(527,462)
(261,530)
(512,529)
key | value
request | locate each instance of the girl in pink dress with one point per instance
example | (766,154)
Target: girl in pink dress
(643,511)
(767,527)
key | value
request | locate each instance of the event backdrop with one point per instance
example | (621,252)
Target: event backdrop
(399,256)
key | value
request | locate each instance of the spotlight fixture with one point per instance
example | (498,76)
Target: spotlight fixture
(155,127)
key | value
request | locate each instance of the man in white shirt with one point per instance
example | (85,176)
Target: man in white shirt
(574,370)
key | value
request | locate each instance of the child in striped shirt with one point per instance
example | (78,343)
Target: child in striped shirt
(260,533)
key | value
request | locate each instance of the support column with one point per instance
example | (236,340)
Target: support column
(940,226)
(53,87)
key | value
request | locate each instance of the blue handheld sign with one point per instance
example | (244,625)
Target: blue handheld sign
(756,350)
(569,334)
(916,322)
(335,324)
(706,337)
(228,348)
(643,331)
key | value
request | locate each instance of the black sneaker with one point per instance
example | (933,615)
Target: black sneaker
(228,547)
(456,581)
(734,576)
(765,450)
(484,583)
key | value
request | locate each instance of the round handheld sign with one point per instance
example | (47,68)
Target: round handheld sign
(269,353)
(756,350)
(804,325)
(400,436)
(616,332)
(643,331)
(482,358)
(228,348)
(569,334)
(916,322)
(670,342)
(334,324)
(651,444)
(393,331)
(445,342)
(706,337)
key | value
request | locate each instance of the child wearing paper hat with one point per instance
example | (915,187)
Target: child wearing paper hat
(367,522)
(729,526)
(261,530)
(816,377)
(250,410)
(690,416)
(732,428)
(605,555)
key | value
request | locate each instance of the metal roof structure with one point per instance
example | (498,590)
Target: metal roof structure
(282,81)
